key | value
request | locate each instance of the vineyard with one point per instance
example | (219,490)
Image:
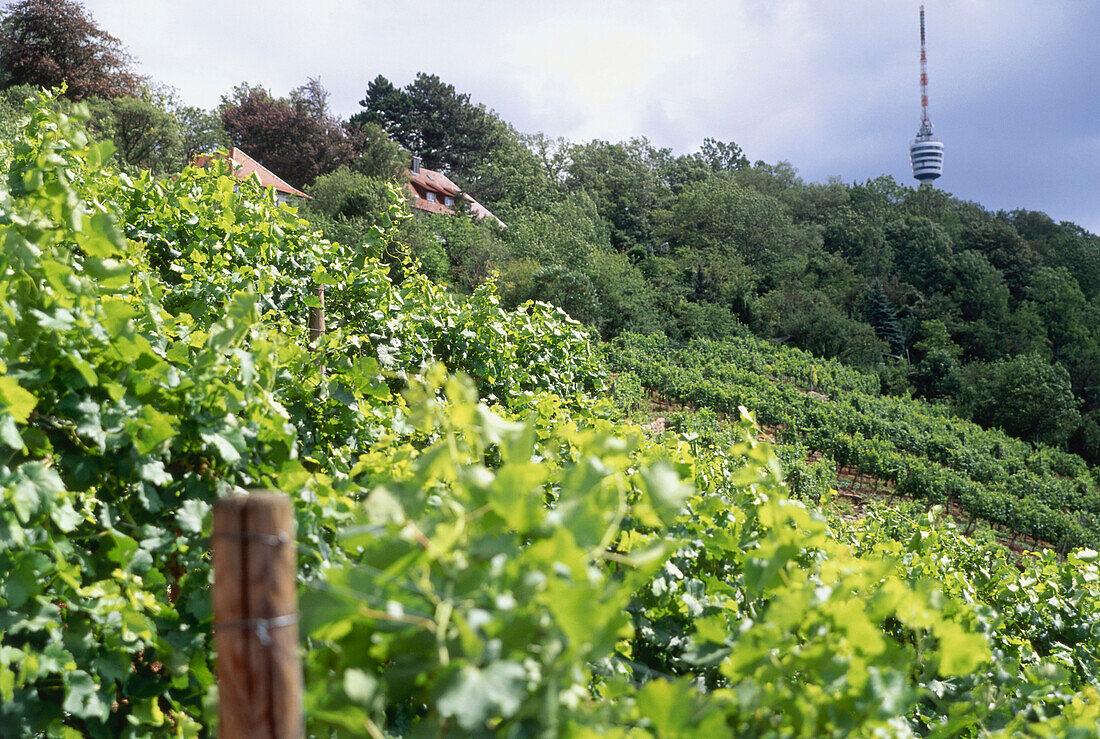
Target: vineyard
(920,450)
(485,546)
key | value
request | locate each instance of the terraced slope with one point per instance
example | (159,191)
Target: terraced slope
(919,449)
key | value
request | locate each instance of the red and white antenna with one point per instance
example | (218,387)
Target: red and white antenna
(923,72)
(926,151)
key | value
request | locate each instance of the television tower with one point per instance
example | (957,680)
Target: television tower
(926,151)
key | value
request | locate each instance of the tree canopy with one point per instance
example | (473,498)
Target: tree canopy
(297,137)
(428,117)
(49,42)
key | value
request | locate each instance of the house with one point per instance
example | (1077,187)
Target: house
(433,192)
(244,166)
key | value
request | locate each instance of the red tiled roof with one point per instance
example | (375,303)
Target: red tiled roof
(437,181)
(427,179)
(244,166)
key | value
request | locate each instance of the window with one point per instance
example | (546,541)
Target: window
(448,201)
(430,197)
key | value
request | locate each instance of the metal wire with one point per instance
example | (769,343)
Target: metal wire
(262,626)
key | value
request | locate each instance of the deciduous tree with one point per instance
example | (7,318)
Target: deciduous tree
(297,138)
(49,42)
(1026,396)
(145,135)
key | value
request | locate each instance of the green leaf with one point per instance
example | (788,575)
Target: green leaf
(473,696)
(155,473)
(960,651)
(667,493)
(9,432)
(109,274)
(225,448)
(148,713)
(82,698)
(153,429)
(668,705)
(7,683)
(65,516)
(97,154)
(191,515)
(15,400)
(102,237)
(86,370)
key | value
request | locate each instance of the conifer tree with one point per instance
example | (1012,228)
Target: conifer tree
(879,312)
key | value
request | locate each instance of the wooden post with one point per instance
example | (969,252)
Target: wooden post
(256,617)
(317,317)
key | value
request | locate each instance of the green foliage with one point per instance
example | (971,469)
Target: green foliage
(815,323)
(474,248)
(557,233)
(627,393)
(880,314)
(630,302)
(55,43)
(428,117)
(1026,396)
(717,219)
(932,456)
(500,604)
(376,154)
(624,182)
(347,194)
(485,553)
(152,336)
(201,131)
(722,155)
(922,251)
(145,135)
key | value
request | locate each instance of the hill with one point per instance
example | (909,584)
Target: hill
(819,408)
(483,552)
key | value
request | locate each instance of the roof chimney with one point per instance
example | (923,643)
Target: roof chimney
(416,164)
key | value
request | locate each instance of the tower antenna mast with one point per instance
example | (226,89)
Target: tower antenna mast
(923,75)
(926,151)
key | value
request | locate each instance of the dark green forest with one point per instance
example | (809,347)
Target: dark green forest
(995,313)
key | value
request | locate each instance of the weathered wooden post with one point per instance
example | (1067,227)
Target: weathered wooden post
(317,317)
(256,617)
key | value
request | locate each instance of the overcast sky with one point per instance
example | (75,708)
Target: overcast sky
(832,87)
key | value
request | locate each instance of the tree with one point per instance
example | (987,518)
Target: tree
(722,155)
(564,232)
(514,177)
(297,138)
(813,322)
(880,313)
(49,42)
(977,294)
(1026,396)
(145,135)
(1070,320)
(770,179)
(718,218)
(624,181)
(922,252)
(1005,250)
(201,131)
(375,154)
(860,241)
(431,119)
(935,374)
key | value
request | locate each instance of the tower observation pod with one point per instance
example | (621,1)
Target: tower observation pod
(926,151)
